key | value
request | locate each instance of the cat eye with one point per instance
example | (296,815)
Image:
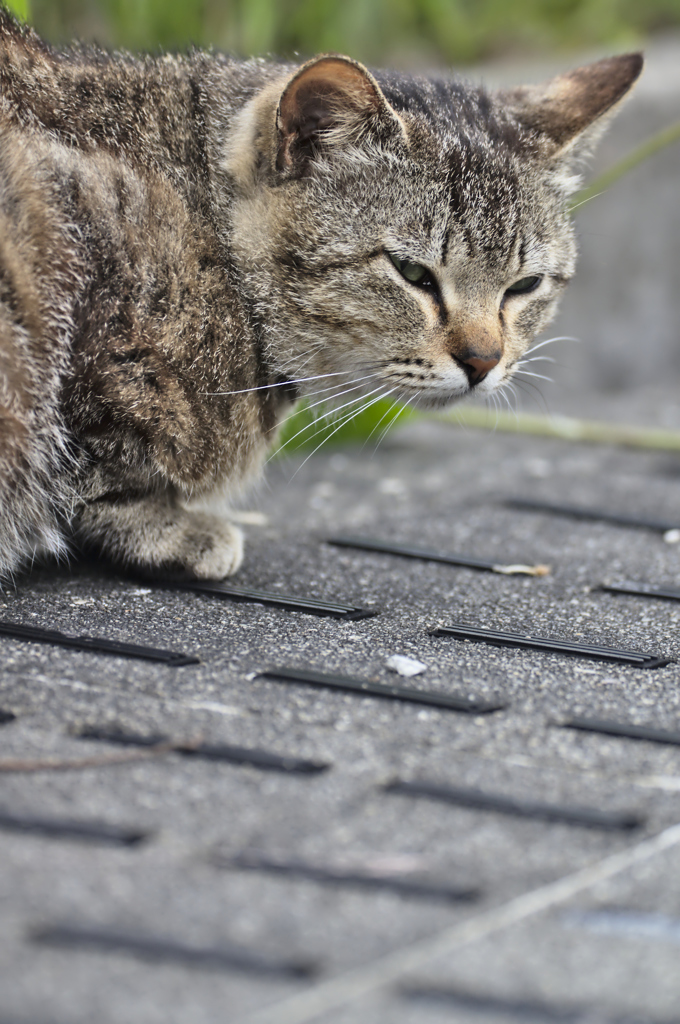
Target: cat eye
(414,273)
(524,286)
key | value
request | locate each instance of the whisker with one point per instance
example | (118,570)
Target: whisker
(550,341)
(536,359)
(344,420)
(399,406)
(494,398)
(504,389)
(276,384)
(321,401)
(315,423)
(386,413)
(538,376)
(535,391)
(389,426)
(575,206)
(333,387)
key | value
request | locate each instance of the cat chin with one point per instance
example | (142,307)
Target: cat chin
(424,400)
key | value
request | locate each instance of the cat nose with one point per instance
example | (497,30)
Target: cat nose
(477,369)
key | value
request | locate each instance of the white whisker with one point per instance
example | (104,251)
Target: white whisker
(584,201)
(277,384)
(340,425)
(390,424)
(536,394)
(322,401)
(315,423)
(395,401)
(550,341)
(538,376)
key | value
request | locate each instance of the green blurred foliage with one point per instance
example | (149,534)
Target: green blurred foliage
(311,428)
(401,32)
(19,7)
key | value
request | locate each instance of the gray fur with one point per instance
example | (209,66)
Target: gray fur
(188,244)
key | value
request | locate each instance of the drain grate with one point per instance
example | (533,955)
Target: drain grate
(641,590)
(461,631)
(96,939)
(291,603)
(402,885)
(97,645)
(516,1009)
(428,555)
(624,729)
(583,512)
(366,688)
(71,828)
(264,759)
(480,801)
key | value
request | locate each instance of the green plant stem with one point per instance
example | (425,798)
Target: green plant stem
(666,137)
(565,428)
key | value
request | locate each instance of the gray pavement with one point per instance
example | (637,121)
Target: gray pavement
(561,931)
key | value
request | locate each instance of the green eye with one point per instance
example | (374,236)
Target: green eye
(415,273)
(524,286)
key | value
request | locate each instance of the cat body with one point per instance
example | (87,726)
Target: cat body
(189,244)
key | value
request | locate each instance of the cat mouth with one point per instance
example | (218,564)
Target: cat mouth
(437,393)
(431,397)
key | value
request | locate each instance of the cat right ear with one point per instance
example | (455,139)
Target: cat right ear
(330,101)
(572,110)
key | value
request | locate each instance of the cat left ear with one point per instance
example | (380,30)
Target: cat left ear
(330,101)
(570,111)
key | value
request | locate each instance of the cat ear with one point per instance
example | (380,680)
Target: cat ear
(330,101)
(570,111)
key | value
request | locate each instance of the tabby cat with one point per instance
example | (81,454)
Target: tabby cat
(188,244)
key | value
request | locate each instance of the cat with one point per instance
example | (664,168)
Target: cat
(189,244)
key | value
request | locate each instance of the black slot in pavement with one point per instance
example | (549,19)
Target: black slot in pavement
(98,939)
(516,1009)
(600,515)
(626,730)
(213,751)
(69,828)
(97,645)
(289,602)
(366,688)
(402,885)
(461,631)
(480,801)
(642,590)
(385,547)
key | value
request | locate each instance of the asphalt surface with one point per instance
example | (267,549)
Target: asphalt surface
(188,913)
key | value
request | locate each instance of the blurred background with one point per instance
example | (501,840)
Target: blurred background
(624,304)
(394,32)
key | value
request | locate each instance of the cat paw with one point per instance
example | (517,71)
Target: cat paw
(154,538)
(211,548)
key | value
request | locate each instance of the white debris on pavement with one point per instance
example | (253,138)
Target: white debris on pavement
(522,570)
(405,666)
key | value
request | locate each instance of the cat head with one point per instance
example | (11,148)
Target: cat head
(411,235)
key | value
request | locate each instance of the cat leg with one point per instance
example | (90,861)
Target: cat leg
(34,500)
(154,535)
(29,524)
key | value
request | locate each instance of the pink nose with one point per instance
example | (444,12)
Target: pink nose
(477,369)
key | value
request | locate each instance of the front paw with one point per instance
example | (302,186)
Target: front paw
(211,548)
